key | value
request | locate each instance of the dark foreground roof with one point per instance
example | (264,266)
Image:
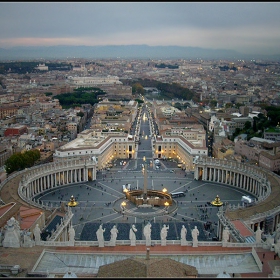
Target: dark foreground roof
(141,267)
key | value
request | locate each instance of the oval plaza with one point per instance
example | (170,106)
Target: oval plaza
(90,168)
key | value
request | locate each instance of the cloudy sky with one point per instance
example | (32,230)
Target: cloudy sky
(240,26)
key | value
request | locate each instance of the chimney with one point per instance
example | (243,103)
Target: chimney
(148,254)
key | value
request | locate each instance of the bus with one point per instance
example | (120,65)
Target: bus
(177,194)
(247,200)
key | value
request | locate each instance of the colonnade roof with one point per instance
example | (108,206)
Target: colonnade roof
(269,203)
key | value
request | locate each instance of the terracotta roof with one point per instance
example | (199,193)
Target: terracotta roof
(5,208)
(28,216)
(244,231)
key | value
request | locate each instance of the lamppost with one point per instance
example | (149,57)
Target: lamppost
(123,204)
(217,203)
(166,204)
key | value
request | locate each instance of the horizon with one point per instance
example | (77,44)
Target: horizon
(235,26)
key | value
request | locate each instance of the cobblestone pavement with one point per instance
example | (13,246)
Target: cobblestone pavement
(100,200)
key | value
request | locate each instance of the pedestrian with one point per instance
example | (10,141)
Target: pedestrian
(263,255)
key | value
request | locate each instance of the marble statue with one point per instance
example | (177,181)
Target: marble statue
(277,234)
(100,237)
(27,241)
(132,235)
(37,234)
(114,233)
(195,234)
(71,233)
(11,236)
(258,235)
(183,235)
(225,237)
(163,234)
(147,233)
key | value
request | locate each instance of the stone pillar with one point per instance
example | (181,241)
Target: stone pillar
(79,175)
(85,173)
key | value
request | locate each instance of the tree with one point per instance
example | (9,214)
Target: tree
(213,103)
(19,161)
(255,124)
(80,114)
(247,125)
(139,101)
(178,105)
(228,105)
(137,88)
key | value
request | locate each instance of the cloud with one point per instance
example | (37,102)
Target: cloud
(238,25)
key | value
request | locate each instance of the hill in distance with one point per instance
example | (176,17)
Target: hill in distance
(123,52)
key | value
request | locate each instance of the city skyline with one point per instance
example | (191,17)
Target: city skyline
(244,27)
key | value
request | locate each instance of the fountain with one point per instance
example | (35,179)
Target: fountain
(148,198)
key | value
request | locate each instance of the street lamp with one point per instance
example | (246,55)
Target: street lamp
(166,204)
(123,204)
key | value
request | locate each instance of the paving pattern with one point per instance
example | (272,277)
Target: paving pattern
(100,200)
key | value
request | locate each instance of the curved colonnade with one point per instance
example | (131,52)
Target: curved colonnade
(261,183)
(37,180)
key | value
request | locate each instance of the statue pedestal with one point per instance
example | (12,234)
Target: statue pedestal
(195,244)
(11,240)
(133,243)
(148,242)
(163,242)
(183,242)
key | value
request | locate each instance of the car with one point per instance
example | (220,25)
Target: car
(171,171)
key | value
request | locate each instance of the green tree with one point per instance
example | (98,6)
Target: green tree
(178,105)
(80,114)
(247,125)
(139,101)
(255,124)
(137,88)
(213,103)
(228,105)
(19,161)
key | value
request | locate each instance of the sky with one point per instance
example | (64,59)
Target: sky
(245,27)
